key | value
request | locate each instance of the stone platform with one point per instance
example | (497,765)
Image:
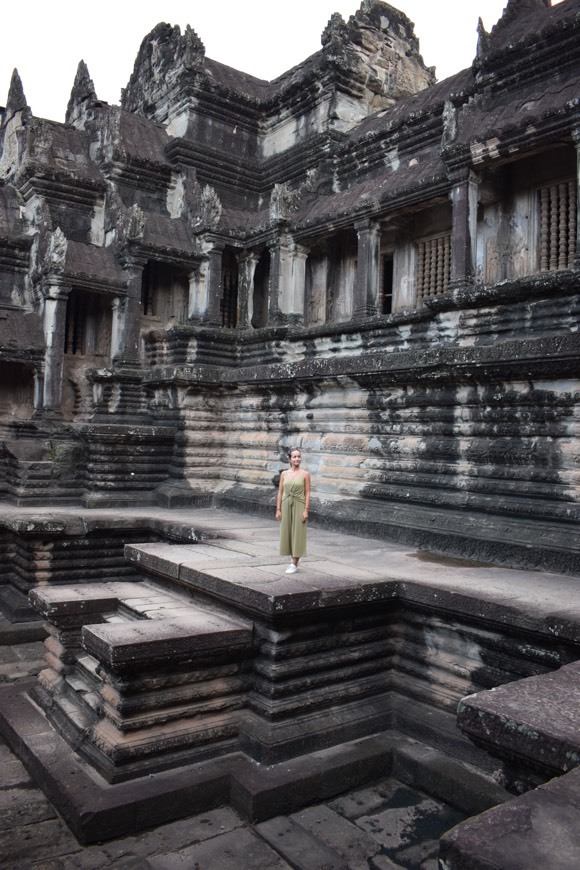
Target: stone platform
(368,646)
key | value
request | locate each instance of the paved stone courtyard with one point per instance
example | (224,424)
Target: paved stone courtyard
(385,825)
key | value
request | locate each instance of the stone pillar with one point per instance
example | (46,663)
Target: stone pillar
(213,277)
(118,306)
(197,303)
(287,281)
(576,138)
(316,289)
(38,389)
(54,325)
(247,261)
(293,298)
(127,319)
(366,284)
(280,279)
(464,198)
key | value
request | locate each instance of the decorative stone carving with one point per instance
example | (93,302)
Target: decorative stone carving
(449,124)
(56,253)
(41,138)
(16,101)
(131,226)
(205,206)
(283,202)
(211,208)
(336,32)
(164,57)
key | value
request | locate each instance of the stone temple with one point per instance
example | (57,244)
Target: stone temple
(355,259)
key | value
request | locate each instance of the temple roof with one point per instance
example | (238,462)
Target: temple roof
(21,335)
(529,19)
(162,231)
(94,262)
(142,138)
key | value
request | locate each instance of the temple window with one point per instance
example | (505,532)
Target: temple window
(316,290)
(229,286)
(88,324)
(433,266)
(558,218)
(260,290)
(165,292)
(16,391)
(386,285)
(342,267)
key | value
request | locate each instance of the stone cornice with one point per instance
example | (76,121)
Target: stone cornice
(519,358)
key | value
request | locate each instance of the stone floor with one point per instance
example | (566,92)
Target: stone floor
(384,825)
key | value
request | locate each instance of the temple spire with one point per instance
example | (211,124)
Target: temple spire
(83,95)
(16,101)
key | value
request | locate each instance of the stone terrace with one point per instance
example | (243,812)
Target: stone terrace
(398,819)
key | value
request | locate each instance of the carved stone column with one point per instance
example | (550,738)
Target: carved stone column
(197,303)
(38,389)
(213,277)
(280,279)
(576,138)
(464,197)
(316,289)
(294,298)
(247,261)
(126,319)
(366,284)
(54,325)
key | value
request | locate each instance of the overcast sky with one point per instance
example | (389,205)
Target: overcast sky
(46,39)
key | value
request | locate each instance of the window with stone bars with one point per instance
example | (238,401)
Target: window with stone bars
(558,226)
(433,267)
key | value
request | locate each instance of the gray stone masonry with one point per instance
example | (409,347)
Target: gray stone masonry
(398,820)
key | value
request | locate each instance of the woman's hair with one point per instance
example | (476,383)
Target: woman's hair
(294,450)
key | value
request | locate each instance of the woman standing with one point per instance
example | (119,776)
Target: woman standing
(292,510)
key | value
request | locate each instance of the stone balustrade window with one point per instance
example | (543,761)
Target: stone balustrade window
(229,291)
(165,292)
(386,295)
(433,266)
(558,226)
(88,324)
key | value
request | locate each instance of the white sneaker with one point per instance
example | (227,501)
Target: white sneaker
(292,568)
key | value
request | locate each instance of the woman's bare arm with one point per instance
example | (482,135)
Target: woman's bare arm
(306,496)
(280,492)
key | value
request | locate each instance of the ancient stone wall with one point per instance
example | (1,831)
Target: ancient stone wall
(352,258)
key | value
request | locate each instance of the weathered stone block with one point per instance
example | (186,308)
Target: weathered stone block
(531,723)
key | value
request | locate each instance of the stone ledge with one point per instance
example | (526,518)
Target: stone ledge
(96,810)
(256,587)
(55,602)
(538,829)
(134,645)
(531,723)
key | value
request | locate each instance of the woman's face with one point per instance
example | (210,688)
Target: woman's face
(295,459)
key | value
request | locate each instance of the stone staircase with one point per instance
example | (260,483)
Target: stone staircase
(138,676)
(220,680)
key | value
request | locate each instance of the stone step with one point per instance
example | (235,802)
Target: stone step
(538,829)
(15,606)
(137,645)
(255,583)
(529,724)
(135,674)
